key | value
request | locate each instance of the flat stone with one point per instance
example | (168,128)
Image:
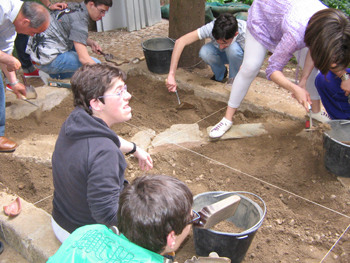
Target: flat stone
(186,135)
(143,138)
(48,97)
(242,131)
(37,148)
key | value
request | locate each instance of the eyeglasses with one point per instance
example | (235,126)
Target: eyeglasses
(102,12)
(119,93)
(195,218)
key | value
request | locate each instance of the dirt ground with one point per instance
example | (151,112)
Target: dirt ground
(307,208)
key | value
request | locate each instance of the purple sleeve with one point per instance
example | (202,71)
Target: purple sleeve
(282,54)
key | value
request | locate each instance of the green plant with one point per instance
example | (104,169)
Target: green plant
(218,1)
(343,5)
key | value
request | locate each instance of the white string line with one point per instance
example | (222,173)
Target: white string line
(165,139)
(236,170)
(260,180)
(335,243)
(43,199)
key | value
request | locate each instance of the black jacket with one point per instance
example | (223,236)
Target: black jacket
(88,172)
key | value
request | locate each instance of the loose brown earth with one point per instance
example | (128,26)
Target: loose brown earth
(307,208)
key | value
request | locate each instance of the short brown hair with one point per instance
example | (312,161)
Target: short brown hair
(91,81)
(151,207)
(328,38)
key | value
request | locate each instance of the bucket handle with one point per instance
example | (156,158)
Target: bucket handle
(242,237)
(243,192)
(159,36)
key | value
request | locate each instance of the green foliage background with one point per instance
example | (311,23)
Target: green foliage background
(343,5)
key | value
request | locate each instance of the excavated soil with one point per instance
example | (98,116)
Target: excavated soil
(307,207)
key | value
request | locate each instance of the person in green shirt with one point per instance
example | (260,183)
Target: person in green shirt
(154,217)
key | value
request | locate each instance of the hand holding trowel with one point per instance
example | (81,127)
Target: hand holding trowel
(31,93)
(215,213)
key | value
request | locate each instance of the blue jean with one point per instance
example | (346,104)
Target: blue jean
(217,58)
(64,65)
(2,106)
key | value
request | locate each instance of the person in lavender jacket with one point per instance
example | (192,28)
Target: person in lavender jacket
(280,26)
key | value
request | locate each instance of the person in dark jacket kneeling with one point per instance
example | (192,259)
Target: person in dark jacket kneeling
(88,162)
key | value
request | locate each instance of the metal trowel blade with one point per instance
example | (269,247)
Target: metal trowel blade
(31,93)
(184,105)
(219,211)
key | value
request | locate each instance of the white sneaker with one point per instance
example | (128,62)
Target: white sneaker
(44,76)
(219,129)
(321,116)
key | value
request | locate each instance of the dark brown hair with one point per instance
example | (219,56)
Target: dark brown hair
(91,81)
(151,207)
(225,27)
(328,38)
(100,2)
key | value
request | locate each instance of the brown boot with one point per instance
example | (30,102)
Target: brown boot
(6,145)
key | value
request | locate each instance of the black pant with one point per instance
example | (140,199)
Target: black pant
(23,57)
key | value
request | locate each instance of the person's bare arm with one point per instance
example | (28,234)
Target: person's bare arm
(175,57)
(55,6)
(10,61)
(301,95)
(83,54)
(308,67)
(17,87)
(95,47)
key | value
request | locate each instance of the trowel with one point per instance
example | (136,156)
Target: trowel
(30,90)
(213,258)
(183,105)
(215,213)
(113,59)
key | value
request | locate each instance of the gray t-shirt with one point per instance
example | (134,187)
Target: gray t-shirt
(65,27)
(206,32)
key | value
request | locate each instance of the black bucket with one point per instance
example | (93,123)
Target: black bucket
(249,216)
(336,154)
(158,53)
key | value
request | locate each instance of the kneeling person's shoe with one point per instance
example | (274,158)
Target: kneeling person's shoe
(225,75)
(34,74)
(220,129)
(321,116)
(6,145)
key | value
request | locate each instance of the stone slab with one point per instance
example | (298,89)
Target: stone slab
(48,96)
(242,131)
(36,148)
(35,241)
(186,135)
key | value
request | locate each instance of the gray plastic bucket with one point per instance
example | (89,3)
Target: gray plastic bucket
(158,53)
(336,155)
(249,216)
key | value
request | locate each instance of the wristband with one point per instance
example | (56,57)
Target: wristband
(345,77)
(14,83)
(133,149)
(48,6)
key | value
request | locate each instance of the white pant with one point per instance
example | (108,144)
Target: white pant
(254,56)
(60,233)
